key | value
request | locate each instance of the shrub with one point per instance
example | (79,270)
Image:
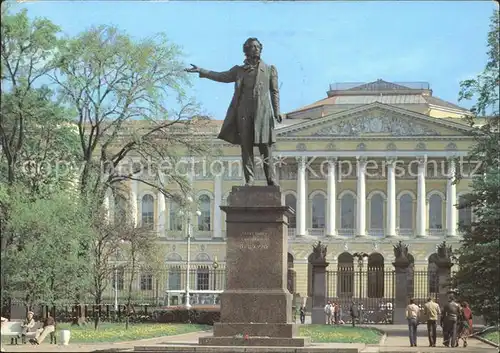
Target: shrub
(203,315)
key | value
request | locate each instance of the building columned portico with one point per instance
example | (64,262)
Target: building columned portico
(367,166)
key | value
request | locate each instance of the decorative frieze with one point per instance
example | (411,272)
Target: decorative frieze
(394,126)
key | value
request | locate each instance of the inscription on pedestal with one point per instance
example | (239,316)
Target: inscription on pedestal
(254,241)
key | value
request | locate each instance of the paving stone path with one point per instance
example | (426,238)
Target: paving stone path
(396,341)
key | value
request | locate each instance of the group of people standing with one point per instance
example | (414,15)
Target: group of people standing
(454,318)
(333,312)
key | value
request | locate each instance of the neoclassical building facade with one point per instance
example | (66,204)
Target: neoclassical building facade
(363,168)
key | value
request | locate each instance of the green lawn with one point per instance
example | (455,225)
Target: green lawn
(493,336)
(341,334)
(113,332)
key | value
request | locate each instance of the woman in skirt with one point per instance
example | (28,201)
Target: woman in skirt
(465,324)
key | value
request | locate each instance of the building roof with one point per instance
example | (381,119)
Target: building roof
(392,93)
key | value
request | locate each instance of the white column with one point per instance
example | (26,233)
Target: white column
(301,196)
(391,198)
(331,229)
(421,199)
(217,203)
(361,198)
(161,215)
(133,202)
(451,201)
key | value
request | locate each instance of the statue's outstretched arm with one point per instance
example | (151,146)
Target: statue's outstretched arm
(225,76)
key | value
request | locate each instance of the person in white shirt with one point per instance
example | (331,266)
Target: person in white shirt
(412,315)
(328,312)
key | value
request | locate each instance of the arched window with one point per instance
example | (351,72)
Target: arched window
(147,214)
(175,217)
(464,214)
(174,278)
(347,212)
(291,202)
(406,212)
(435,212)
(432,275)
(204,218)
(318,211)
(345,275)
(377,212)
(375,276)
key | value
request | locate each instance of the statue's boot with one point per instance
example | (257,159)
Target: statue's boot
(269,172)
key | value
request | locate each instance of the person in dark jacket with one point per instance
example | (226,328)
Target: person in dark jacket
(449,319)
(354,310)
(302,314)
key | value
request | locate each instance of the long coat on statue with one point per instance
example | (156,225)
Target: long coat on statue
(265,103)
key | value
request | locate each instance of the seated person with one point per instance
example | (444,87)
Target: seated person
(49,326)
(28,324)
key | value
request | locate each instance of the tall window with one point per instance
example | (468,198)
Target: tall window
(464,214)
(345,275)
(202,278)
(291,202)
(377,212)
(175,218)
(318,211)
(347,212)
(174,278)
(147,215)
(146,281)
(406,212)
(204,218)
(376,276)
(435,212)
(118,278)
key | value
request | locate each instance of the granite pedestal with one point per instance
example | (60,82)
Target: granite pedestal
(256,301)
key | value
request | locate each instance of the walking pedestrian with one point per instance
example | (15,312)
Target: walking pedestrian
(432,312)
(449,318)
(412,315)
(354,313)
(302,314)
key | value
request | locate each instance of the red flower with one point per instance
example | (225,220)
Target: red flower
(246,336)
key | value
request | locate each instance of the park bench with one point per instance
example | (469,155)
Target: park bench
(14,330)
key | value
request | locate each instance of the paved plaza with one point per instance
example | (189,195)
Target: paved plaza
(395,341)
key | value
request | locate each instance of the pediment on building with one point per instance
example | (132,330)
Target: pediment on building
(375,119)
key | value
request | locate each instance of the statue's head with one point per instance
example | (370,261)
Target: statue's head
(252,48)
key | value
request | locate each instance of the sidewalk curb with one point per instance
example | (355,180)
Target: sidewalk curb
(382,340)
(484,340)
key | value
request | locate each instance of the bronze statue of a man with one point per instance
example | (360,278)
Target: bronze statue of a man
(250,118)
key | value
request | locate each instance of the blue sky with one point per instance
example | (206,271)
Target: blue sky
(312,44)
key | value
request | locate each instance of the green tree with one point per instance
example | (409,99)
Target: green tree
(43,264)
(477,278)
(35,131)
(124,92)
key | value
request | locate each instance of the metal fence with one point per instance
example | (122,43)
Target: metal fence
(371,290)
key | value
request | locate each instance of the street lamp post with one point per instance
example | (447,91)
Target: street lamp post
(117,254)
(188,213)
(215,265)
(360,257)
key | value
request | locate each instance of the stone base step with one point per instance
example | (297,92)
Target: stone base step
(241,349)
(256,341)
